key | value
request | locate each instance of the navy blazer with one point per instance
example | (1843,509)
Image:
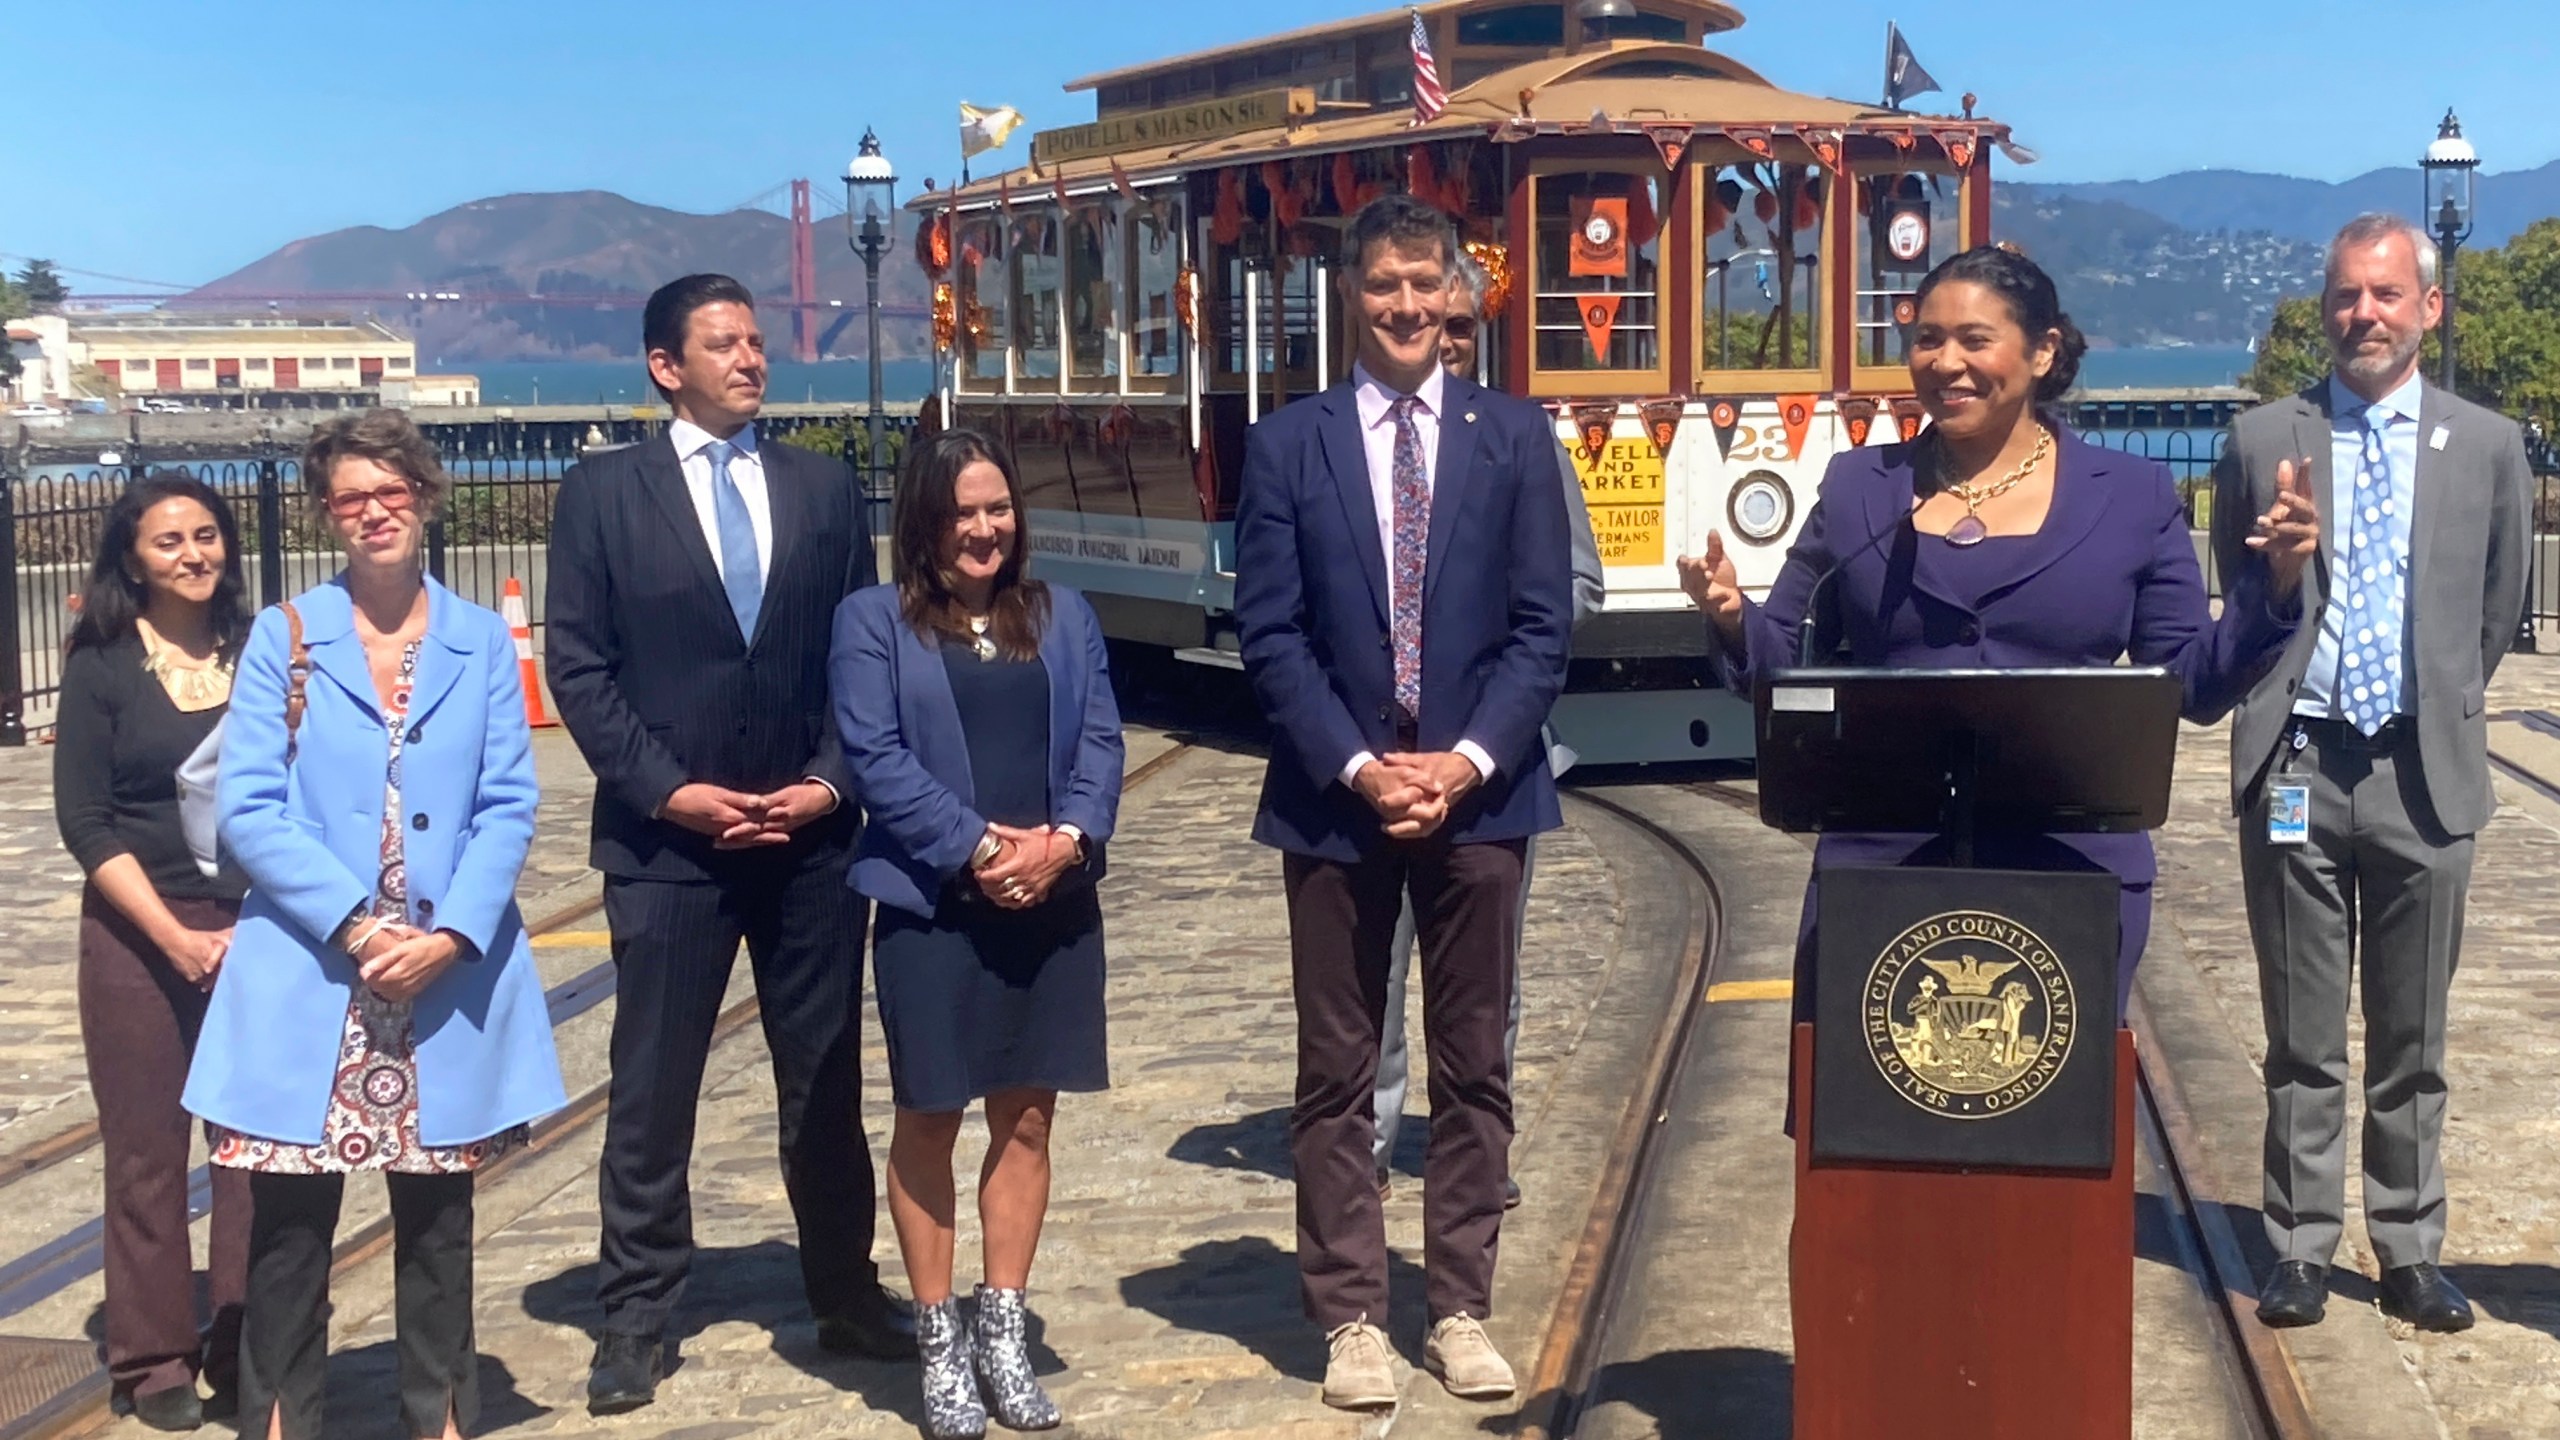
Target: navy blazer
(1312,607)
(2112,574)
(909,758)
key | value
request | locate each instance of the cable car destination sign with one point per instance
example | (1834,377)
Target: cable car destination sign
(1174,125)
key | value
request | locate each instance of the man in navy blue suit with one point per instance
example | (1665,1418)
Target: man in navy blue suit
(1403,589)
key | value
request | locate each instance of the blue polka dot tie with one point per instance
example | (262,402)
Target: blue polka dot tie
(2369,660)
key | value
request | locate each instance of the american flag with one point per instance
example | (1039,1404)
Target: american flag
(1429,96)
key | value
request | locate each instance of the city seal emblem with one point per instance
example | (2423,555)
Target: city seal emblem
(1969,1015)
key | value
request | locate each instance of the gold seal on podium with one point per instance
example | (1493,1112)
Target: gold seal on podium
(1969,1015)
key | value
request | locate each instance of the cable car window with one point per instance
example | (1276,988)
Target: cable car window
(1908,221)
(1036,280)
(1154,248)
(982,299)
(1760,285)
(1093,316)
(1621,22)
(1596,244)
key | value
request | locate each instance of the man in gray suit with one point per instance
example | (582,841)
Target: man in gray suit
(1458,338)
(2359,765)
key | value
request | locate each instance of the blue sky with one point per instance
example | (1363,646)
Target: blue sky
(179,139)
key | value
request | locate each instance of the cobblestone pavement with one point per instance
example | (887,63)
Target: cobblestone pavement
(2501,1381)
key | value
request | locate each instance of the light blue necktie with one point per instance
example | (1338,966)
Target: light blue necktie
(2369,653)
(741,574)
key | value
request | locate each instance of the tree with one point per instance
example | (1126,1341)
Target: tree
(13,305)
(40,286)
(2295,351)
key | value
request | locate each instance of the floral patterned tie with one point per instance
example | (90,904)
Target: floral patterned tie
(1412,554)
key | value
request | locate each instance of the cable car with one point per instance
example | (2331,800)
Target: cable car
(1706,278)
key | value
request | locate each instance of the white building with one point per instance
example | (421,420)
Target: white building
(247,362)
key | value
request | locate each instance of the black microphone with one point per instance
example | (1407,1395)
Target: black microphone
(1813,598)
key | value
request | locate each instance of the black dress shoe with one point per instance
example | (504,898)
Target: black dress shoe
(2422,1296)
(2297,1294)
(878,1326)
(175,1408)
(624,1375)
(1510,1194)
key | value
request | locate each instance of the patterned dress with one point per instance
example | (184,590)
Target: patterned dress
(373,1103)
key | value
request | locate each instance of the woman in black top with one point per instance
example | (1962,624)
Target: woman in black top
(976,712)
(147,677)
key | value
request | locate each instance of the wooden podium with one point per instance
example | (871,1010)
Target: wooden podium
(1961,1266)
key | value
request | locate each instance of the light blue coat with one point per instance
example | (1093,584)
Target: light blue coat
(309,837)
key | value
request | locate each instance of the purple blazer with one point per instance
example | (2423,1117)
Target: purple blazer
(2112,574)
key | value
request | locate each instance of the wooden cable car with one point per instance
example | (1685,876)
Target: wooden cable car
(1708,279)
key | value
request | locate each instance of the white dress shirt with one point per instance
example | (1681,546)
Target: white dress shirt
(1376,404)
(746,470)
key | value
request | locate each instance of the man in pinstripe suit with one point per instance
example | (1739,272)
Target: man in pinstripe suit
(693,583)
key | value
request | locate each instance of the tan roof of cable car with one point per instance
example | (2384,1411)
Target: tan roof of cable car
(1714,18)
(1567,90)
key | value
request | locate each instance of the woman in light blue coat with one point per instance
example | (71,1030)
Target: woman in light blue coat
(378,1008)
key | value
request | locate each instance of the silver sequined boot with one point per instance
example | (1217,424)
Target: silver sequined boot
(952,1410)
(1004,1363)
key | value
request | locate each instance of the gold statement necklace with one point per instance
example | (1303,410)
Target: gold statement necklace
(191,684)
(1970,530)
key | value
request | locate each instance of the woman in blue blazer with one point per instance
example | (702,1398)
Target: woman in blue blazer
(378,1008)
(978,722)
(1998,540)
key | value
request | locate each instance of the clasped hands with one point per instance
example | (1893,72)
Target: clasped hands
(1414,793)
(1026,866)
(736,820)
(398,961)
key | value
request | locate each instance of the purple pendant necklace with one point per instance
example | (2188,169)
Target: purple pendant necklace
(1970,530)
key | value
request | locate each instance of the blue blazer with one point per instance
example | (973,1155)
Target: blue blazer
(910,760)
(2112,574)
(309,837)
(1312,602)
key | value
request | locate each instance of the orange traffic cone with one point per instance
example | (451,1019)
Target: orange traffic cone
(522,629)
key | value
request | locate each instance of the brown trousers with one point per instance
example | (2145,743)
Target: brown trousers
(138,1023)
(1342,924)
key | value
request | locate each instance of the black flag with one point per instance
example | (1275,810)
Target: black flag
(1903,77)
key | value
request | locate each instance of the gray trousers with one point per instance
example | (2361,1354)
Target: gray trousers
(1395,1058)
(2379,889)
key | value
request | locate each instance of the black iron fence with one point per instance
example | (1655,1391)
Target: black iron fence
(495,527)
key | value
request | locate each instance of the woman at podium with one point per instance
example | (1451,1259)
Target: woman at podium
(1999,540)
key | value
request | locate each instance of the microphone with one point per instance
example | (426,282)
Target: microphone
(1806,627)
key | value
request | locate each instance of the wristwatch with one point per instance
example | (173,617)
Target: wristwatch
(989,847)
(1075,837)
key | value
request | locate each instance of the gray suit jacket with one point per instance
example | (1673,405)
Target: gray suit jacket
(2466,580)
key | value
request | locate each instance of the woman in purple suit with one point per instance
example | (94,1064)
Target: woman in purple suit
(1999,540)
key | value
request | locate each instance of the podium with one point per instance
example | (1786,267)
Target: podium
(1962,1258)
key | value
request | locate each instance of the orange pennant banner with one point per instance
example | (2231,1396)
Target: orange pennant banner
(1725,416)
(1670,140)
(1599,316)
(1599,238)
(1796,413)
(1959,146)
(1756,139)
(1826,144)
(1907,418)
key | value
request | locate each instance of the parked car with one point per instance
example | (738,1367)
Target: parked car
(154,405)
(37,411)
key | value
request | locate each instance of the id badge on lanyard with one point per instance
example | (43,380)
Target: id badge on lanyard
(2289,796)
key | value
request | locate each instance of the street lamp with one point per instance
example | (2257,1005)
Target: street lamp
(870,197)
(2450,167)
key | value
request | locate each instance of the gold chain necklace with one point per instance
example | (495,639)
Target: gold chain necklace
(1970,530)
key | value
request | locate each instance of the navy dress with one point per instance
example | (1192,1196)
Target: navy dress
(979,998)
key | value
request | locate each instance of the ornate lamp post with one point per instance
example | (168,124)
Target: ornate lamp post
(2450,166)
(870,198)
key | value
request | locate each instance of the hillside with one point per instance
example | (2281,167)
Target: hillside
(2313,210)
(588,242)
(2130,278)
